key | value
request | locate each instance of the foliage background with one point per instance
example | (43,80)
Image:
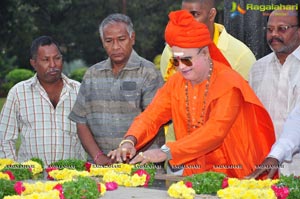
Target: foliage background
(74,24)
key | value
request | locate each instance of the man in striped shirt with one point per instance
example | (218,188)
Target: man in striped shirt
(37,109)
(113,92)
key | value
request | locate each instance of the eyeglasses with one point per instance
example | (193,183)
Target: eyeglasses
(185,60)
(280,29)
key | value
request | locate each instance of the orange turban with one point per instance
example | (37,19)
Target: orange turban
(185,32)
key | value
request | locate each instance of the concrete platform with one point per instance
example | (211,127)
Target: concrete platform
(144,193)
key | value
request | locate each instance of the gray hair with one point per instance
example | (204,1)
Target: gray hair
(116,18)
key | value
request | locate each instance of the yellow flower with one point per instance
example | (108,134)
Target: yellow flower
(97,170)
(180,190)
(124,179)
(138,180)
(53,194)
(4,176)
(248,189)
(38,187)
(103,189)
(6,161)
(35,167)
(67,174)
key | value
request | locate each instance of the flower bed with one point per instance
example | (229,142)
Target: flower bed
(72,179)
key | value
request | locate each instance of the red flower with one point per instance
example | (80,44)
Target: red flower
(225,183)
(189,184)
(141,172)
(10,174)
(281,192)
(50,169)
(110,186)
(59,187)
(99,187)
(19,188)
(88,166)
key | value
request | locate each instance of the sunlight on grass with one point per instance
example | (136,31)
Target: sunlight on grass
(2,100)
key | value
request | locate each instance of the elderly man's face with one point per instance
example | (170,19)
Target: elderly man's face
(283,33)
(192,63)
(117,43)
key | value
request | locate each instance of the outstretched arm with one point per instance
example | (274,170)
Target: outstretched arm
(90,145)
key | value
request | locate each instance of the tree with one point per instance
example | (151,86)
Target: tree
(74,23)
(249,27)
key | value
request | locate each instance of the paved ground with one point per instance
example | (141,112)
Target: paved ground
(143,193)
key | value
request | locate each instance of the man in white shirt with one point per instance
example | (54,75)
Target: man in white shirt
(275,78)
(287,145)
(37,110)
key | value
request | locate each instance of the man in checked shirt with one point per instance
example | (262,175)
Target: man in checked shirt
(37,109)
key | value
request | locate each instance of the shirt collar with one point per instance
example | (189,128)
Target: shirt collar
(34,81)
(296,53)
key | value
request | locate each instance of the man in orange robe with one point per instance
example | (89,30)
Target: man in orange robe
(235,132)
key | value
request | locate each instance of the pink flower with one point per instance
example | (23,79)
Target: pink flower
(110,186)
(281,192)
(59,187)
(141,172)
(48,171)
(189,184)
(19,188)
(225,183)
(10,174)
(88,166)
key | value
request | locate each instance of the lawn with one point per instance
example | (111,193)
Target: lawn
(2,100)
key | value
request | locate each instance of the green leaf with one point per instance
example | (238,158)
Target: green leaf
(70,164)
(206,183)
(7,188)
(21,172)
(293,183)
(81,187)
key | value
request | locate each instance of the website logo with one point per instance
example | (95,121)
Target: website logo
(265,9)
(236,10)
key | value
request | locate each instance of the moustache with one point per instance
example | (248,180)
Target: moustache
(53,70)
(275,39)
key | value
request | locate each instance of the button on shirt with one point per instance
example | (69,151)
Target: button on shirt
(278,88)
(108,104)
(45,131)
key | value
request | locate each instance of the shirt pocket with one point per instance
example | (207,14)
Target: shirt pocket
(130,94)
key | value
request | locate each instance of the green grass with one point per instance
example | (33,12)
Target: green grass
(2,100)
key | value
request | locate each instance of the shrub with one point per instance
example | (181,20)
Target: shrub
(156,61)
(15,76)
(78,74)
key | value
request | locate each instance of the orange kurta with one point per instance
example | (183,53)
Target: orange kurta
(237,135)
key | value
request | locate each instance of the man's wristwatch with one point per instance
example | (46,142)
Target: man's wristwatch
(166,150)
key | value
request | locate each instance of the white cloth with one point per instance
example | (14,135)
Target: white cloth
(45,131)
(288,144)
(278,88)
